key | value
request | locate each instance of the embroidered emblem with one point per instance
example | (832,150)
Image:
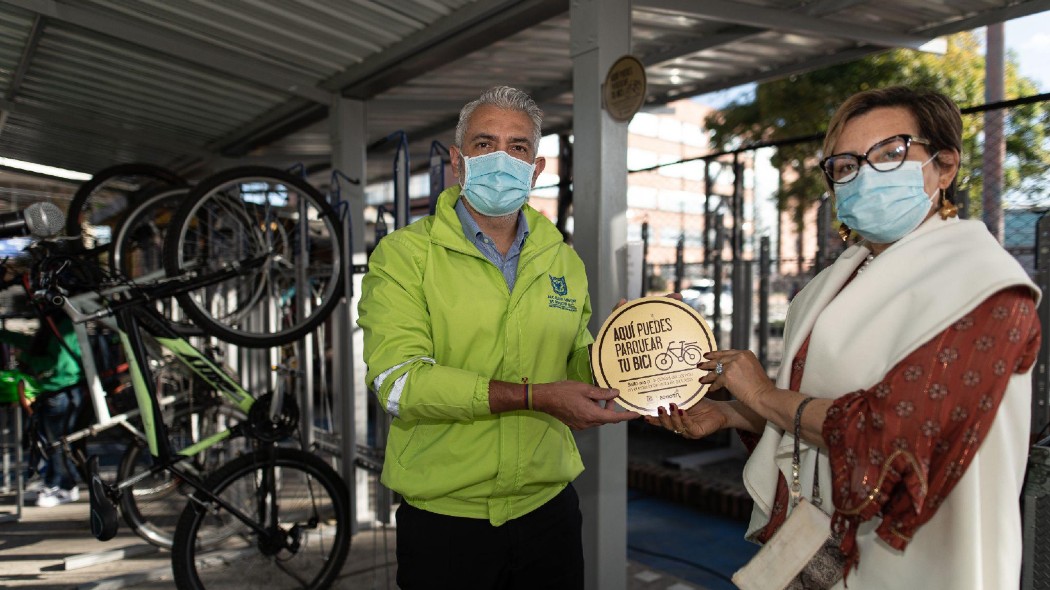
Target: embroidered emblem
(559,300)
(559,285)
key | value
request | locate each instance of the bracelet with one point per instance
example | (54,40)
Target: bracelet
(528,397)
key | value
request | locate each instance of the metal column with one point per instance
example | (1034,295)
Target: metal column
(763,300)
(349,157)
(1041,371)
(601,33)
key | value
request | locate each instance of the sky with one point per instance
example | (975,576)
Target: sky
(1027,38)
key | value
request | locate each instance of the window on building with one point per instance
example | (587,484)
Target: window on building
(641,197)
(680,201)
(646,124)
(670,129)
(638,159)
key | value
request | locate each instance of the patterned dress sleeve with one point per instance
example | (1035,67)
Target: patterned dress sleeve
(898,449)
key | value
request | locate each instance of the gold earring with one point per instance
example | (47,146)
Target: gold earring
(844,231)
(948,208)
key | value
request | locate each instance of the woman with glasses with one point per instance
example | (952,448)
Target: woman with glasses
(892,446)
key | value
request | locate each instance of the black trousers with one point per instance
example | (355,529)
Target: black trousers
(543,549)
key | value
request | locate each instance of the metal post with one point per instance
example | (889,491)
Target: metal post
(679,263)
(1041,371)
(716,315)
(402,201)
(438,158)
(645,258)
(600,32)
(306,346)
(707,214)
(823,230)
(763,300)
(564,182)
(348,131)
(994,133)
(738,271)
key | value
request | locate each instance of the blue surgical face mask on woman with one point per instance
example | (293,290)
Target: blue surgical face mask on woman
(885,206)
(496,184)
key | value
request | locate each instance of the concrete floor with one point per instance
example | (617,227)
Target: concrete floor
(34,552)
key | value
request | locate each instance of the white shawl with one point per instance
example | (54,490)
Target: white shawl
(911,292)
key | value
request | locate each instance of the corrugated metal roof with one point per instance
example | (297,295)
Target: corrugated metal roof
(195,84)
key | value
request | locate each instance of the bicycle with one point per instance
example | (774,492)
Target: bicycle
(689,353)
(247,506)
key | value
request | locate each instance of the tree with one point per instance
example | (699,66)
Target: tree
(801,105)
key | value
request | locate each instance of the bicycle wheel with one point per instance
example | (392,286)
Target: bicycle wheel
(101,203)
(664,361)
(137,249)
(692,354)
(152,506)
(300,502)
(285,241)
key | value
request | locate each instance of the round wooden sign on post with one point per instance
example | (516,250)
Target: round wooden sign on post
(648,349)
(623,91)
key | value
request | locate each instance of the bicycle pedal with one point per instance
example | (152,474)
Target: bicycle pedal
(104,520)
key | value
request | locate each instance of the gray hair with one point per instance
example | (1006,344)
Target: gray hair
(507,98)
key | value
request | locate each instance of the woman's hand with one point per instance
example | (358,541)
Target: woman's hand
(739,372)
(705,418)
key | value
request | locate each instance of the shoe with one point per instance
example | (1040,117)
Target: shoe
(57,497)
(34,490)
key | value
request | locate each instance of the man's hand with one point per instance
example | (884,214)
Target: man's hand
(577,404)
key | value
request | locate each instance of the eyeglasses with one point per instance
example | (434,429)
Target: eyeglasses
(884,156)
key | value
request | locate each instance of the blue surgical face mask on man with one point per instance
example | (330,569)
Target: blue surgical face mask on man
(496,184)
(885,206)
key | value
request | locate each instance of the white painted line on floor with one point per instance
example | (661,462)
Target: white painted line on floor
(74,562)
(647,576)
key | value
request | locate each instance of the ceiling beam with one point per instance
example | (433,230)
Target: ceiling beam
(989,17)
(776,73)
(782,20)
(36,30)
(700,43)
(118,131)
(280,122)
(467,30)
(441,126)
(438,44)
(184,47)
(28,51)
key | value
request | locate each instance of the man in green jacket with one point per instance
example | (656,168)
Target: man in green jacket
(475,328)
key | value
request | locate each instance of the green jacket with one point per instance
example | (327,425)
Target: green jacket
(439,323)
(54,368)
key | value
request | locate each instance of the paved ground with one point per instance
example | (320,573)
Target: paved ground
(34,552)
(679,535)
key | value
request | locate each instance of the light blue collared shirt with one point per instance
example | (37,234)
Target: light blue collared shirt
(508,265)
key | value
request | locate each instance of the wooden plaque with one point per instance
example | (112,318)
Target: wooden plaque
(648,350)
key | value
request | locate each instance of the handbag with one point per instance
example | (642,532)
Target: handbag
(803,554)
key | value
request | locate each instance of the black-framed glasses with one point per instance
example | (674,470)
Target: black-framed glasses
(884,156)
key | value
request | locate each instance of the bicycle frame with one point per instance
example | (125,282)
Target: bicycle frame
(133,315)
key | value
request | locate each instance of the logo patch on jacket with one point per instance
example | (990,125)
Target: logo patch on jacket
(559,286)
(559,299)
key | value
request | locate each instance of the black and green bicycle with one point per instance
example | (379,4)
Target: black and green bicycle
(254,258)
